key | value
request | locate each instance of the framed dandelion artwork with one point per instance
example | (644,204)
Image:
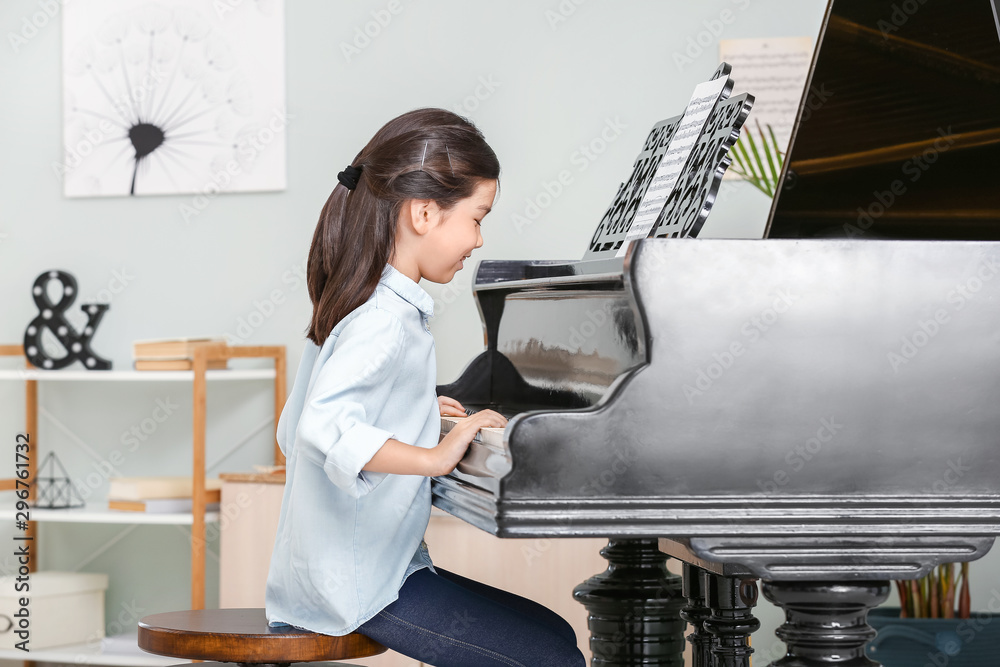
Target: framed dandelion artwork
(173,97)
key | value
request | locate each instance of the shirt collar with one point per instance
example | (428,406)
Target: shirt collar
(410,291)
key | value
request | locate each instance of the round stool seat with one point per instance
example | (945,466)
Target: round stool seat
(243,635)
(229,664)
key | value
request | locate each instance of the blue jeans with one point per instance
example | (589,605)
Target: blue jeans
(449,621)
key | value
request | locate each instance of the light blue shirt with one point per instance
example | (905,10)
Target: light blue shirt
(347,538)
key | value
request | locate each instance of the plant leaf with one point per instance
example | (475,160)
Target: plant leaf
(759,163)
(743,167)
(964,598)
(744,157)
(773,172)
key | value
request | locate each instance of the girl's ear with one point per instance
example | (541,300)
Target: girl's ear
(424,215)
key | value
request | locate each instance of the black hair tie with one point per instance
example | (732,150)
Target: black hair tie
(349,177)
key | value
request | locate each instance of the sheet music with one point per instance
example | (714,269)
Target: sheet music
(702,102)
(774,69)
(692,197)
(614,224)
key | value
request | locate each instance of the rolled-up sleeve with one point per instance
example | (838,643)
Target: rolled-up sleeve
(337,427)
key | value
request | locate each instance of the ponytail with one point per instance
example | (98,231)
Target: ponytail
(423,154)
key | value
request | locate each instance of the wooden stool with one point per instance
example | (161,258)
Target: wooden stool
(243,636)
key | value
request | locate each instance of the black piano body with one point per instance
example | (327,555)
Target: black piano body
(818,408)
(780,393)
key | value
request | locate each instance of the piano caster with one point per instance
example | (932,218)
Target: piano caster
(634,607)
(826,622)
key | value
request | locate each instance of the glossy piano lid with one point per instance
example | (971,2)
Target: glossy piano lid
(898,127)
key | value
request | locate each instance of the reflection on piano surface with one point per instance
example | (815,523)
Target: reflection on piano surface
(785,409)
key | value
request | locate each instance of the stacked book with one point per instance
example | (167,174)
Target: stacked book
(172,354)
(159,494)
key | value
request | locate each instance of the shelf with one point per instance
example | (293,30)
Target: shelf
(97,512)
(101,514)
(131,376)
(121,650)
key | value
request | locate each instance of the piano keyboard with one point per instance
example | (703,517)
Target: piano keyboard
(487,455)
(490,437)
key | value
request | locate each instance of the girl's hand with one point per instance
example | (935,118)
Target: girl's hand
(449,407)
(446,455)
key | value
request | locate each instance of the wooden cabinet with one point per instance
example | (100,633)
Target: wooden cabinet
(544,570)
(248,522)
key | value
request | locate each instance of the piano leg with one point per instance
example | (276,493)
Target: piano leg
(695,612)
(732,622)
(826,623)
(634,607)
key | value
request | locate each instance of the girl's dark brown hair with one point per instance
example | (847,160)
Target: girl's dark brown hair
(423,154)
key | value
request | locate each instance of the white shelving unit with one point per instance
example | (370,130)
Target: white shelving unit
(123,650)
(135,376)
(92,513)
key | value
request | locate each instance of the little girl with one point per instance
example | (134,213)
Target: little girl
(360,427)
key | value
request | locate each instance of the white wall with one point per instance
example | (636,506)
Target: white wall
(550,88)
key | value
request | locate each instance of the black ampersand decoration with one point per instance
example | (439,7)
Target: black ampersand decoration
(50,316)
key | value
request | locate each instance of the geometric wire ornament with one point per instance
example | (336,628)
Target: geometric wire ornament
(55,490)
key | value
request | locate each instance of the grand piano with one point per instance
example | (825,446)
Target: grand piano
(816,410)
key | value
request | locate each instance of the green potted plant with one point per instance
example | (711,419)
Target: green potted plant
(934,624)
(758,160)
(941,594)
